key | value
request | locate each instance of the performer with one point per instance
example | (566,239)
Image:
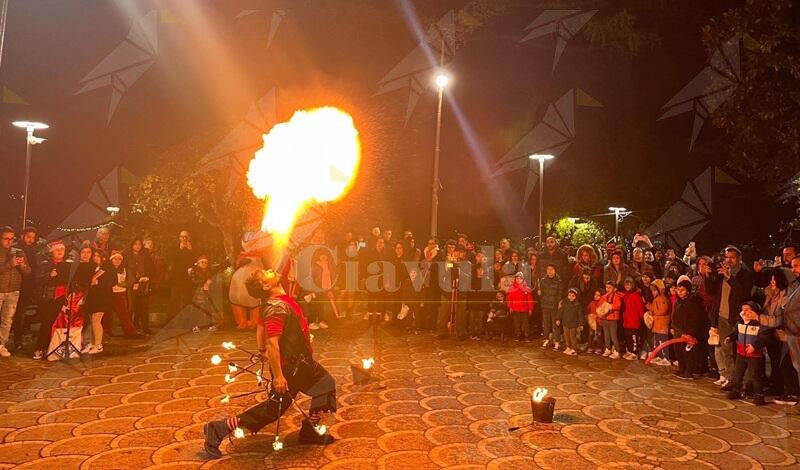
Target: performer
(283,338)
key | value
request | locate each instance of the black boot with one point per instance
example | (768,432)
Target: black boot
(309,435)
(215,432)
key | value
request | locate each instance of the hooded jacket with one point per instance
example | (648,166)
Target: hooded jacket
(661,309)
(632,309)
(571,314)
(552,291)
(519,298)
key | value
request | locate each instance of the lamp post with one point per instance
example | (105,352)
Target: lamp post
(541,158)
(618,214)
(31,140)
(441,82)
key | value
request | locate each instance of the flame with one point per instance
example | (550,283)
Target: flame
(216,360)
(314,157)
(232,367)
(225,399)
(277,444)
(539,394)
(367,363)
(238,433)
(228,345)
(229,379)
(321,429)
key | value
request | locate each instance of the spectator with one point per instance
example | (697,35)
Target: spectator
(553,255)
(782,377)
(141,266)
(587,259)
(595,343)
(99,300)
(520,306)
(688,319)
(31,245)
(373,260)
(731,286)
(661,311)
(616,270)
(791,316)
(632,315)
(751,337)
(102,240)
(570,315)
(323,282)
(52,283)
(550,294)
(181,259)
(609,312)
(120,296)
(13,266)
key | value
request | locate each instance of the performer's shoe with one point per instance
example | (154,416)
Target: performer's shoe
(308,435)
(215,432)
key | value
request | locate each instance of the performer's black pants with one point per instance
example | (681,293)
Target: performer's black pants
(306,376)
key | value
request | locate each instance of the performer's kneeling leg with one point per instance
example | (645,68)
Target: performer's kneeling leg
(322,390)
(252,419)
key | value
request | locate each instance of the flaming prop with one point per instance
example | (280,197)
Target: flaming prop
(312,158)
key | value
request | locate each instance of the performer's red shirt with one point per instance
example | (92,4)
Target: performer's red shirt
(273,324)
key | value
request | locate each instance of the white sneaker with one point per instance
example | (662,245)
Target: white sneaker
(387,317)
(96,349)
(212,328)
(196,329)
(86,349)
(675,363)
(614,355)
(567,351)
(556,346)
(721,380)
(366,316)
(726,382)
(323,325)
(629,356)
(643,355)
(573,352)
(607,352)
(4,352)
(37,355)
(546,344)
(313,326)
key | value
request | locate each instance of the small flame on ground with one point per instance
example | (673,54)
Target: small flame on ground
(539,394)
(228,345)
(238,433)
(229,379)
(277,444)
(367,363)
(225,399)
(321,429)
(232,367)
(216,360)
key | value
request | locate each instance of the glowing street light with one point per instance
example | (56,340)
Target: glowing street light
(441,83)
(619,214)
(541,158)
(30,127)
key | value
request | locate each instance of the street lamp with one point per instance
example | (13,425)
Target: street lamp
(441,83)
(31,140)
(541,158)
(619,213)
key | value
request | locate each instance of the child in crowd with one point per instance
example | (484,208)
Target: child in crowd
(610,311)
(570,316)
(520,304)
(751,338)
(661,310)
(595,322)
(497,316)
(632,315)
(550,294)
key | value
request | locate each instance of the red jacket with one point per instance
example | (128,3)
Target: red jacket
(519,298)
(615,300)
(632,309)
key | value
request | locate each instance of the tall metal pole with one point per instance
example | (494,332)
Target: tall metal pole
(616,225)
(436,152)
(27,180)
(541,200)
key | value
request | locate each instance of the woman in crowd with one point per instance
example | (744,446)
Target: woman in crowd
(99,300)
(782,377)
(54,278)
(616,270)
(203,311)
(120,298)
(140,265)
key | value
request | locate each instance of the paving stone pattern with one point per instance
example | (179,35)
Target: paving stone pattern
(434,404)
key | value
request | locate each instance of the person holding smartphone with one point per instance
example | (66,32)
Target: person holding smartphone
(13,266)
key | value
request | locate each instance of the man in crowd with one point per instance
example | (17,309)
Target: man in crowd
(553,255)
(791,316)
(13,266)
(31,245)
(732,286)
(181,260)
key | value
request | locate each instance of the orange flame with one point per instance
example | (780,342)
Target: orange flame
(312,158)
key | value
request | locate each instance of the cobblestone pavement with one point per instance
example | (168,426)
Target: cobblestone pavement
(436,404)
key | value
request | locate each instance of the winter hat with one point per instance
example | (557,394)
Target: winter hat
(520,275)
(659,285)
(116,254)
(686,285)
(684,277)
(202,257)
(52,245)
(573,290)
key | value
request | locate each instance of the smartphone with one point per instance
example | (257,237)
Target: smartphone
(362,244)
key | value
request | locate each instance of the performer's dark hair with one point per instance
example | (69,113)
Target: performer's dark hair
(255,286)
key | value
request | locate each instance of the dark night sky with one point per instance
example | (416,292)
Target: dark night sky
(211,65)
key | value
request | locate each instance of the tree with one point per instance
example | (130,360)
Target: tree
(760,117)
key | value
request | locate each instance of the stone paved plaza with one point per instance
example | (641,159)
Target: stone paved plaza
(435,405)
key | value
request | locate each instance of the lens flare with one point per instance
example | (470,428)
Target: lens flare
(216,360)
(312,158)
(367,363)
